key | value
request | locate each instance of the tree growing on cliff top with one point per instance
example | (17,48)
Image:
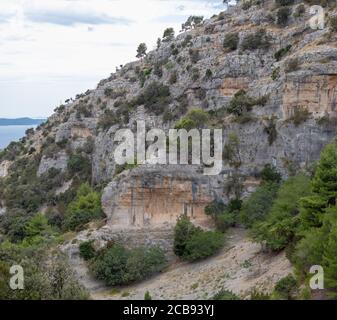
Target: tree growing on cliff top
(168,35)
(141,51)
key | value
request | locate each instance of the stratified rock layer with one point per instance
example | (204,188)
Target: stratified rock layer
(152,196)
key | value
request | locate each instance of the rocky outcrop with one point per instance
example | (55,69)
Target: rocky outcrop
(59,162)
(2,209)
(316,93)
(4,167)
(152,196)
(231,86)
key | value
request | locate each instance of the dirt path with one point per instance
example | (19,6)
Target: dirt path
(240,267)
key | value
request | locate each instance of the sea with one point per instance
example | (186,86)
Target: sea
(12,133)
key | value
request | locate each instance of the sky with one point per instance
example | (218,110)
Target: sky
(51,50)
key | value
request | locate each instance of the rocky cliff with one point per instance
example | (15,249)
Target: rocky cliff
(290,71)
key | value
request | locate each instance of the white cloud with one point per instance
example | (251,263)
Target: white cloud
(52,49)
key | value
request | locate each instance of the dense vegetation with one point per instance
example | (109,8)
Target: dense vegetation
(85,208)
(117,265)
(300,216)
(46,274)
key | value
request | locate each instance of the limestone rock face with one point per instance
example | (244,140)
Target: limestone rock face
(317,94)
(158,196)
(4,166)
(59,161)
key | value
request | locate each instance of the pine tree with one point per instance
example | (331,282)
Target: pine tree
(158,43)
(324,186)
(168,35)
(325,180)
(141,51)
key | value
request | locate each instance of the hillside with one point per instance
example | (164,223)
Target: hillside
(261,75)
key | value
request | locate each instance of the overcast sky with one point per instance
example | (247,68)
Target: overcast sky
(50,50)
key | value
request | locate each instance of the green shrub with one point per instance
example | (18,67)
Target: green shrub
(282,52)
(257,40)
(12,151)
(225,295)
(107,119)
(270,174)
(79,165)
(143,75)
(87,251)
(231,41)
(276,73)
(203,244)
(256,295)
(215,208)
(85,208)
(141,50)
(37,230)
(168,35)
(223,215)
(225,220)
(118,265)
(286,288)
(192,243)
(23,189)
(84,111)
(283,15)
(300,116)
(258,205)
(234,205)
(147,296)
(155,97)
(47,276)
(242,103)
(182,233)
(195,119)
